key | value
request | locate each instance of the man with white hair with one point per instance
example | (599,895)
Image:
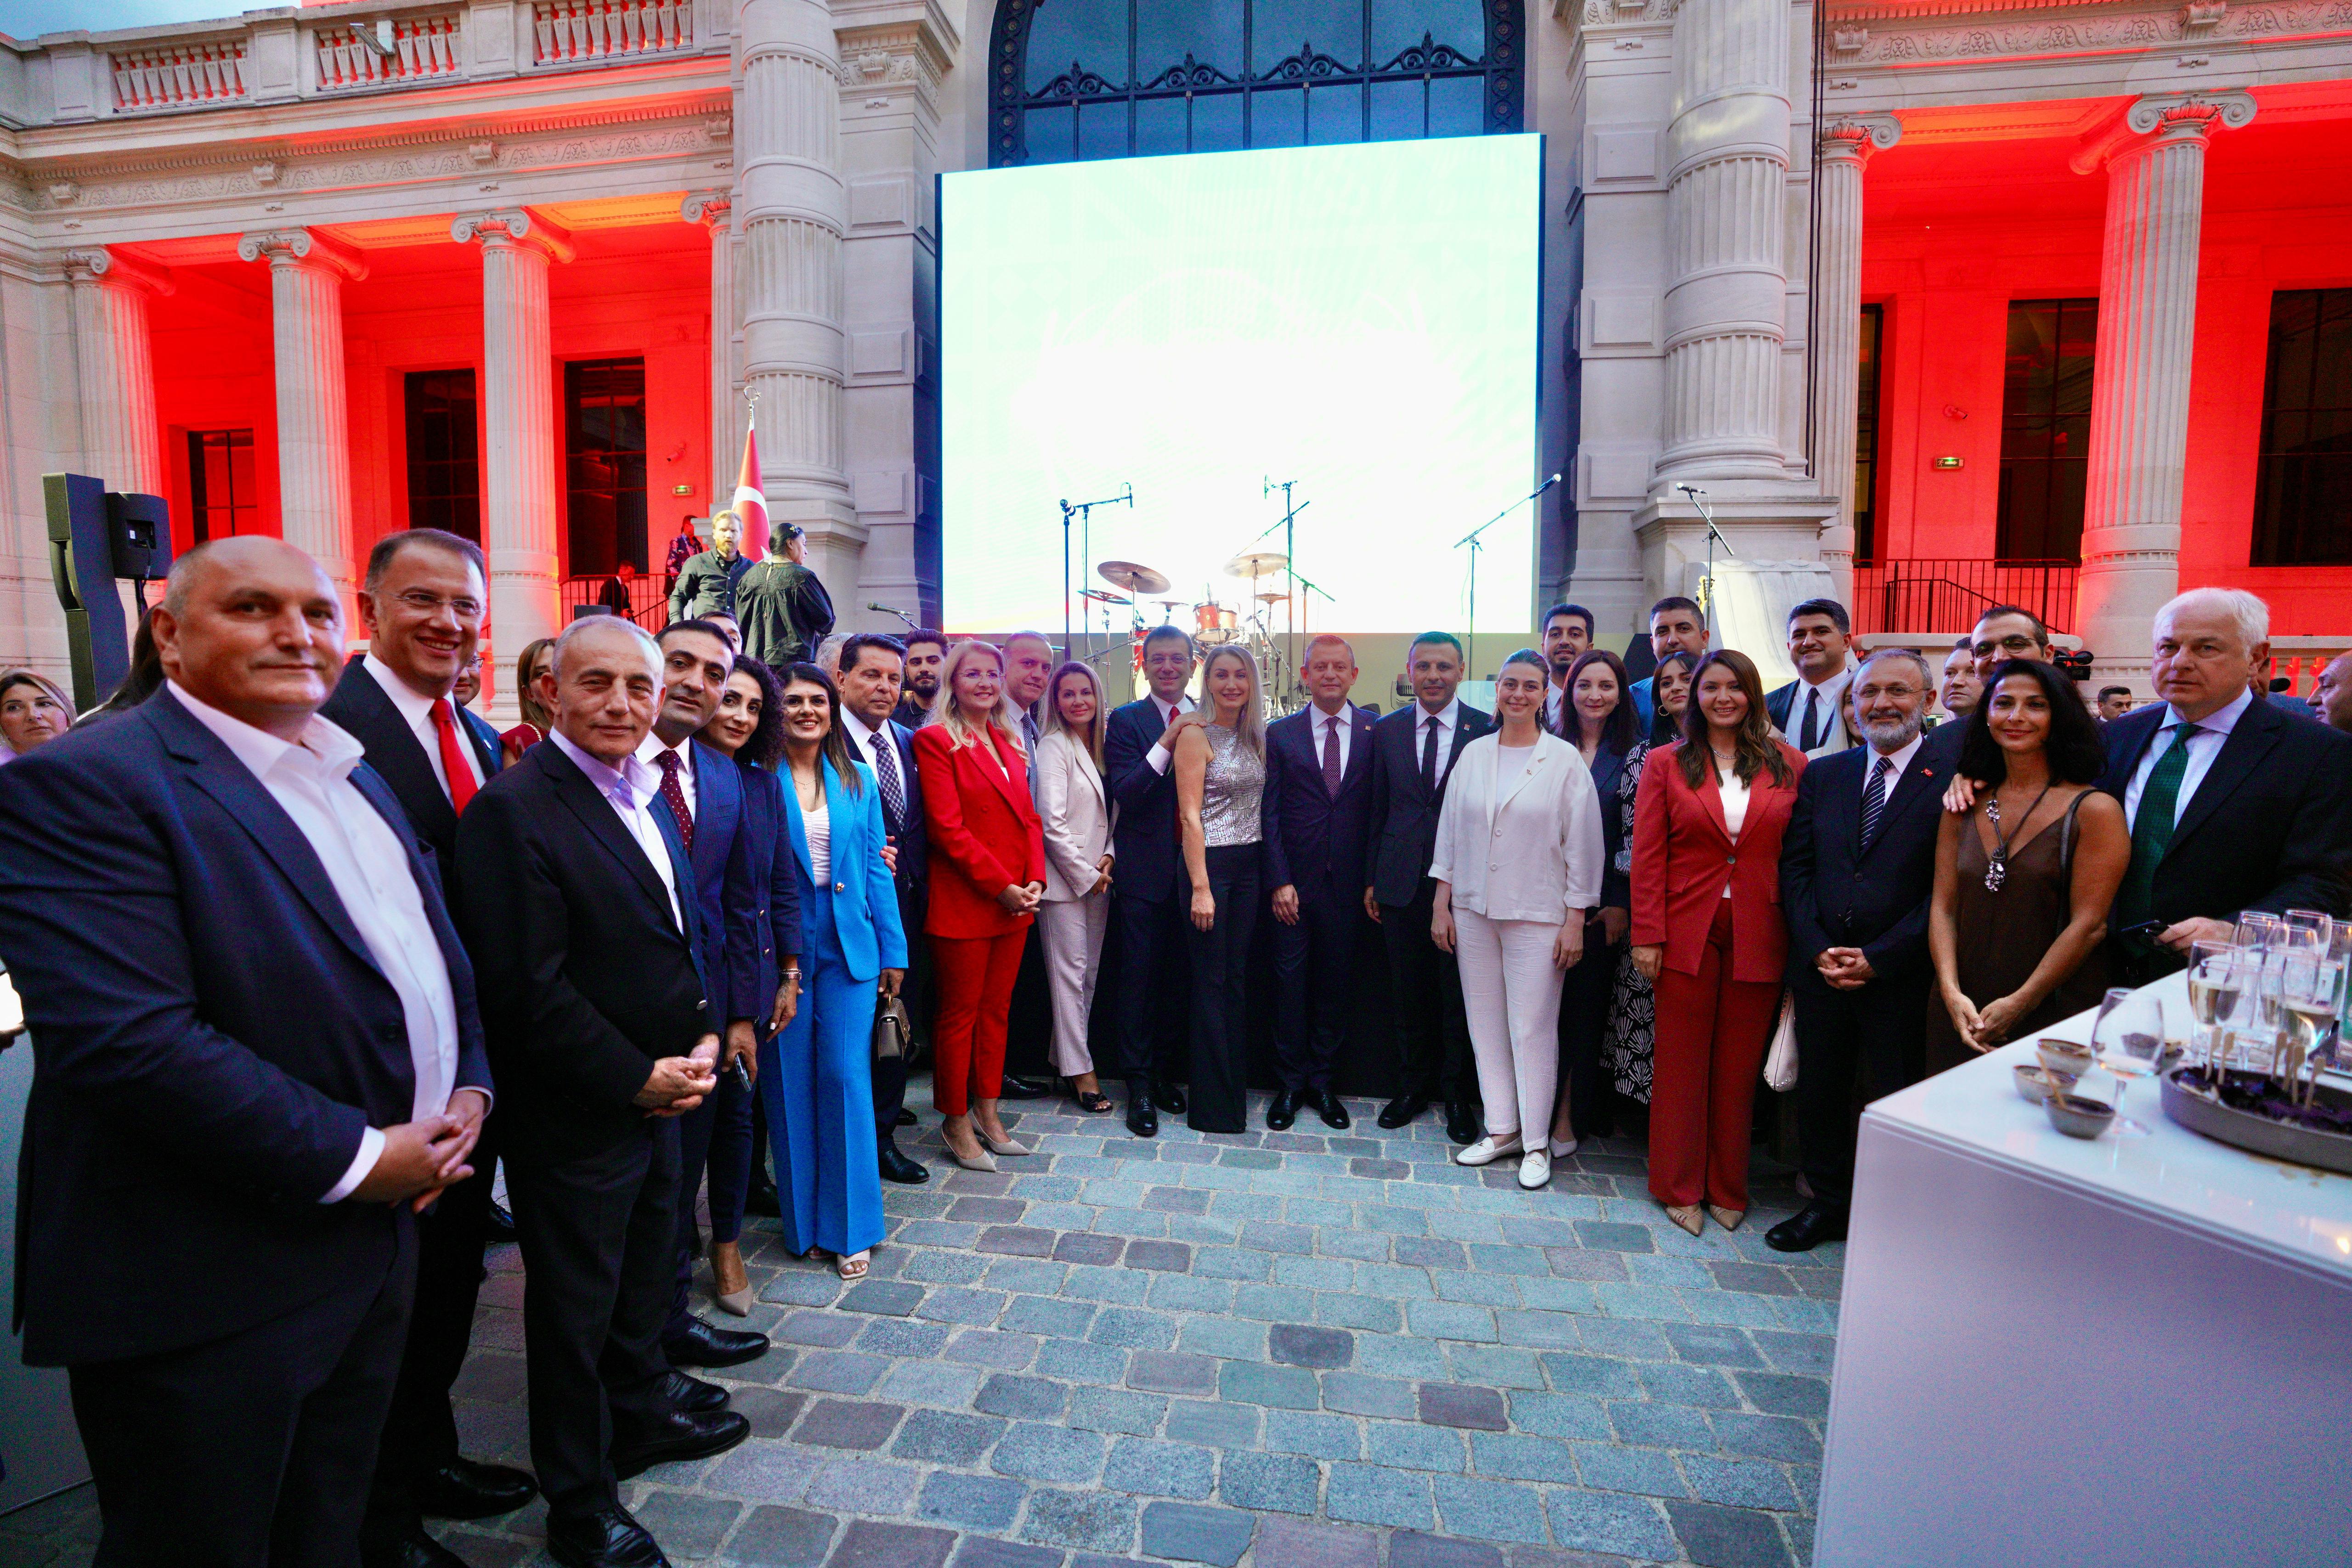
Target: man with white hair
(2233,804)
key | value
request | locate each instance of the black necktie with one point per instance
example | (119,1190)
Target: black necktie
(1873,798)
(1812,732)
(1429,757)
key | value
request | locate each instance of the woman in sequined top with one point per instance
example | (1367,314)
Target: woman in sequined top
(1220,789)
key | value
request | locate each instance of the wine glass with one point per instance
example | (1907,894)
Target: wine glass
(2310,995)
(2132,1051)
(2307,930)
(2258,929)
(2216,978)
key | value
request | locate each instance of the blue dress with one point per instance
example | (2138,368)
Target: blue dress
(817,1075)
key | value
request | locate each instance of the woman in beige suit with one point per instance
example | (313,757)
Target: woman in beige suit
(1076,806)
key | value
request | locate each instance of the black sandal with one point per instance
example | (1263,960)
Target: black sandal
(1092,1102)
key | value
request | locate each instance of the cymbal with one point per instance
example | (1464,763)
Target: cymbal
(1272,598)
(1099,596)
(1132,576)
(1256,563)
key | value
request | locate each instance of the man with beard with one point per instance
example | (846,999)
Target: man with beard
(1857,865)
(927,653)
(1567,636)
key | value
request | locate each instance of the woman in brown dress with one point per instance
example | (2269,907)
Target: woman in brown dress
(2024,877)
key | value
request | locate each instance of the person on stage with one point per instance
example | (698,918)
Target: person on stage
(1148,903)
(1220,767)
(1075,807)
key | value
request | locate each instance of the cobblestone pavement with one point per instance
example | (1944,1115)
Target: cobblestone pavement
(1288,1349)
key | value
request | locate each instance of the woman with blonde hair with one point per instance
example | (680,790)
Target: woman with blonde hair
(1220,766)
(1075,806)
(988,877)
(34,711)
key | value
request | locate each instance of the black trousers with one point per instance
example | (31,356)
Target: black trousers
(256,1448)
(1314,963)
(1153,986)
(1878,1032)
(599,1235)
(1432,1030)
(1219,1099)
(715,1137)
(1583,1019)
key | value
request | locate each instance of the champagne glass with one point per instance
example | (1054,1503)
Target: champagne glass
(2310,993)
(2258,929)
(2217,978)
(2305,931)
(2131,1052)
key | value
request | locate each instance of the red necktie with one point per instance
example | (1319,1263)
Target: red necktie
(454,761)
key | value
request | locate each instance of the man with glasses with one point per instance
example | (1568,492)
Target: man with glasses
(2002,633)
(1857,865)
(421,602)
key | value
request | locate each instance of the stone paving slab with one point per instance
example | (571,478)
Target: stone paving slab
(1310,1349)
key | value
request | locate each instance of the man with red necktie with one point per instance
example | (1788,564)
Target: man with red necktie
(421,604)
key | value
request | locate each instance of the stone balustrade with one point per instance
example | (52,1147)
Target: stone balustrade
(392,50)
(178,75)
(586,30)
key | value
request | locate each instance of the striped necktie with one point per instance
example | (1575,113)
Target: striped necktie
(1874,801)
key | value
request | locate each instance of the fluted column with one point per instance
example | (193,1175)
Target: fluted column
(2155,161)
(307,274)
(1727,166)
(1844,149)
(116,366)
(792,209)
(712,211)
(518,476)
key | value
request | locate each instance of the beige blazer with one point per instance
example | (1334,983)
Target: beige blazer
(1076,813)
(1528,847)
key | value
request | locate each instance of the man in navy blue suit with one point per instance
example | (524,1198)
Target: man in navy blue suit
(703,795)
(255,1054)
(1318,788)
(1152,1010)
(421,602)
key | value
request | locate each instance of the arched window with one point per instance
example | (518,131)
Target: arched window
(1127,79)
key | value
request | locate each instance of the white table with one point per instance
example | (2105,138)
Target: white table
(2128,1352)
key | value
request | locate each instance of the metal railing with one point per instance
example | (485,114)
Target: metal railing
(1919,595)
(648,603)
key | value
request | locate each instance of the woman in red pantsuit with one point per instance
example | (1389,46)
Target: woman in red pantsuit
(987,875)
(1709,933)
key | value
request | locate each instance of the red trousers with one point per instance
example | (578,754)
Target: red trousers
(1712,1032)
(973,985)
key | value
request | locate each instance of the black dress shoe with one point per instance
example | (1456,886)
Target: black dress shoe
(1168,1097)
(684,1435)
(464,1489)
(694,1396)
(1334,1113)
(705,1343)
(1141,1119)
(1282,1110)
(759,1198)
(1401,1110)
(500,1224)
(404,1545)
(607,1538)
(1024,1088)
(1462,1122)
(898,1168)
(1807,1229)
(906,1118)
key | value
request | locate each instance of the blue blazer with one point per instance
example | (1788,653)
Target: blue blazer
(1144,838)
(727,924)
(865,897)
(1309,835)
(210,1038)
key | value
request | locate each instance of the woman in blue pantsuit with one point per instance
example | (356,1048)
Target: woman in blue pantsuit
(817,1074)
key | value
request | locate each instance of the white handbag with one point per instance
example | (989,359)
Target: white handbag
(1780,1062)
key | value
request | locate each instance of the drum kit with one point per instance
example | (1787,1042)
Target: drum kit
(1215,625)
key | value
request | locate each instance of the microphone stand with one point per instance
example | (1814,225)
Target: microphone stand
(912,624)
(1470,657)
(1085,510)
(1714,538)
(1289,526)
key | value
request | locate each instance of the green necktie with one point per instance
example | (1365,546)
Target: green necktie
(2152,830)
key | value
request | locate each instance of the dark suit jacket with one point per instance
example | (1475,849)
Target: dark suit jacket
(210,1038)
(773,883)
(725,894)
(1835,894)
(1309,835)
(2270,826)
(360,706)
(1402,826)
(1608,770)
(913,839)
(1143,841)
(585,979)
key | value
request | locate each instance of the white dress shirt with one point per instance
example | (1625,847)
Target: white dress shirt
(1830,726)
(864,740)
(816,827)
(1447,721)
(1901,758)
(1342,723)
(310,780)
(1160,756)
(649,752)
(416,710)
(1735,806)
(2204,743)
(630,792)
(1555,693)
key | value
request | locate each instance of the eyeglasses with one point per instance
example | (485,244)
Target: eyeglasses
(2013,644)
(425,603)
(1864,694)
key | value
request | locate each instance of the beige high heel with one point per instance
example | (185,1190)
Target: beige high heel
(1728,1218)
(1687,1215)
(730,1286)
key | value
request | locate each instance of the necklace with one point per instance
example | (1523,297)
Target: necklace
(1997,863)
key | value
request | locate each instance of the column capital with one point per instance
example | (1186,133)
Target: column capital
(517,228)
(303,249)
(1854,138)
(2160,117)
(96,264)
(708,208)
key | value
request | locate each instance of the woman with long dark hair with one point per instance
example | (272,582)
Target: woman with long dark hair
(2025,877)
(1707,933)
(1597,718)
(1220,766)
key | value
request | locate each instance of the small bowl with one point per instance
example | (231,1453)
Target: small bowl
(2035,1083)
(2063,1055)
(2079,1116)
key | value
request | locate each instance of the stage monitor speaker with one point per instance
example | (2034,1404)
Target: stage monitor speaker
(95,536)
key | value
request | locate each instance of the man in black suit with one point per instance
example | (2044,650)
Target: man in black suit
(2003,631)
(1318,786)
(872,666)
(2233,804)
(1028,1075)
(579,904)
(256,1053)
(421,602)
(1809,712)
(1857,865)
(1414,750)
(1152,1004)
(926,655)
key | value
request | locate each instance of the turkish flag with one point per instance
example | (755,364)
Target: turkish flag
(751,502)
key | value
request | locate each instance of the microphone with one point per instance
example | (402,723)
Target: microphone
(1690,490)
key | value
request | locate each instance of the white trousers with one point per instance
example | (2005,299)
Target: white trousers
(1511,991)
(1073,933)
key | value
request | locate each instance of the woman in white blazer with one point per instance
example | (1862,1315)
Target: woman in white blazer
(1077,809)
(1518,862)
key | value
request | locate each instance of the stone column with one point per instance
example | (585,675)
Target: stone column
(1726,177)
(792,209)
(1845,145)
(2154,159)
(713,210)
(116,369)
(307,274)
(518,478)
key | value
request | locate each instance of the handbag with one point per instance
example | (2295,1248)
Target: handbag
(1780,1062)
(892,1029)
